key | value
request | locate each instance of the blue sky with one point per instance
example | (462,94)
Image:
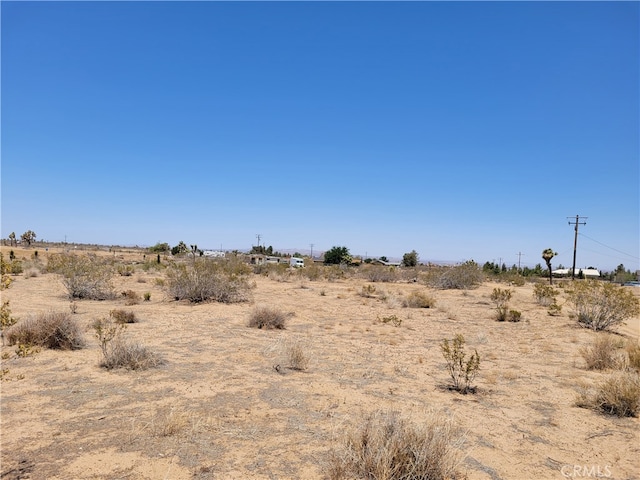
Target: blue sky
(459,130)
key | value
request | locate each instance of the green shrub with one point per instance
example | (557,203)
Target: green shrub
(501,298)
(368,291)
(600,306)
(515,316)
(418,300)
(55,330)
(205,280)
(267,318)
(462,370)
(544,294)
(554,309)
(387,446)
(125,270)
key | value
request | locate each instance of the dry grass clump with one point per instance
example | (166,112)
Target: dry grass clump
(418,300)
(386,446)
(618,394)
(633,353)
(123,316)
(55,330)
(130,355)
(267,318)
(298,359)
(603,353)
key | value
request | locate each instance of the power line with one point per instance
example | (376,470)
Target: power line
(614,249)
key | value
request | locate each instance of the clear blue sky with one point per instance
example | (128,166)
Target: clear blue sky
(459,130)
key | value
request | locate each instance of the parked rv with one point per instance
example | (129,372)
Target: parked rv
(296,262)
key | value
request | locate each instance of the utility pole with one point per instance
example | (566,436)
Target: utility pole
(575,243)
(519,255)
(311,245)
(258,237)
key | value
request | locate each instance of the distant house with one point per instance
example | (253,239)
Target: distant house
(377,261)
(213,253)
(586,272)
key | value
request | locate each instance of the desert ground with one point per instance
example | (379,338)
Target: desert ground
(225,405)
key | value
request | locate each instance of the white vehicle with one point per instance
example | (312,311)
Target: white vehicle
(296,262)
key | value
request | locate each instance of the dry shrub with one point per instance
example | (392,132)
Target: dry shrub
(501,298)
(462,277)
(603,353)
(380,273)
(618,394)
(123,316)
(130,355)
(633,353)
(463,369)
(55,330)
(600,306)
(418,300)
(298,359)
(267,318)
(387,446)
(131,297)
(205,280)
(84,276)
(368,291)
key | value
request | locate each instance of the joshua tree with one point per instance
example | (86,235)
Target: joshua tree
(547,255)
(12,238)
(28,237)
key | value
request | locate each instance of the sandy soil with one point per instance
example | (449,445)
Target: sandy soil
(217,408)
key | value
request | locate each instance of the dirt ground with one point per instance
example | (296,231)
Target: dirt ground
(218,408)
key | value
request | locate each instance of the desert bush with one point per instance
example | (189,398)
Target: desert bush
(393,319)
(544,294)
(387,446)
(600,306)
(618,394)
(147,296)
(205,280)
(267,318)
(55,330)
(462,277)
(6,320)
(123,316)
(514,316)
(311,272)
(418,299)
(298,359)
(118,352)
(131,297)
(501,298)
(31,272)
(130,355)
(379,273)
(462,369)
(368,291)
(554,309)
(84,276)
(125,270)
(603,353)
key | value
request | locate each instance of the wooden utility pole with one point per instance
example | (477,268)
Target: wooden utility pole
(575,243)
(519,255)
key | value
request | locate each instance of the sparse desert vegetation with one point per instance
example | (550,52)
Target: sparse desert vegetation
(364,381)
